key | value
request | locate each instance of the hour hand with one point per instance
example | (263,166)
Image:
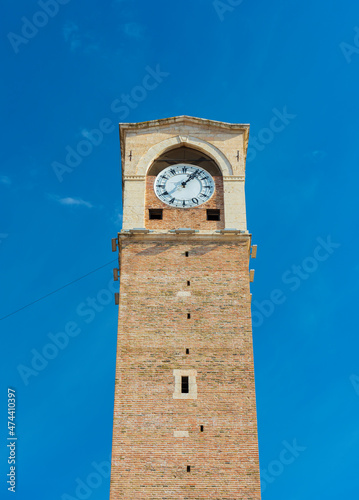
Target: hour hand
(192,176)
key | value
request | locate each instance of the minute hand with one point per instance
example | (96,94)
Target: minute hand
(192,176)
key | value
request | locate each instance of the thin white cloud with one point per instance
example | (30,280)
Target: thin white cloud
(72,35)
(316,156)
(116,216)
(69,30)
(133,30)
(4,179)
(75,201)
(70,201)
(86,133)
(77,40)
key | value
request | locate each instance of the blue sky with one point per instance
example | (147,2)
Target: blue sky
(65,78)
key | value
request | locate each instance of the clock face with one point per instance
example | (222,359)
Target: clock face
(184,186)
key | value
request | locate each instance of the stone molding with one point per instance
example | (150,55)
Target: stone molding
(155,151)
(183,120)
(134,178)
(234,178)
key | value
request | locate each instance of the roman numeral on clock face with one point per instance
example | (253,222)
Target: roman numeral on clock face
(184,186)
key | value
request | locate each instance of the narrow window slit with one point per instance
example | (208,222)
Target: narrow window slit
(188,468)
(186,253)
(187,351)
(184,385)
(188,283)
(188,315)
(201,428)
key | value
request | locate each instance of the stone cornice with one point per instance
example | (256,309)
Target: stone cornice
(234,178)
(175,120)
(173,237)
(134,178)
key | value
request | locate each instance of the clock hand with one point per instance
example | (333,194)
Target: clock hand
(177,185)
(192,176)
(173,190)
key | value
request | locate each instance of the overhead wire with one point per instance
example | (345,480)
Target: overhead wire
(57,290)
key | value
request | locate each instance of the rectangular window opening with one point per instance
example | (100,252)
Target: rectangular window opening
(202,428)
(213,215)
(188,283)
(188,468)
(184,385)
(187,351)
(188,315)
(186,254)
(155,213)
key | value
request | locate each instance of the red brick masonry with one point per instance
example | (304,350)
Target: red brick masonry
(194,218)
(148,462)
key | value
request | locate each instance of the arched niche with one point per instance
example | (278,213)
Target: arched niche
(184,154)
(209,151)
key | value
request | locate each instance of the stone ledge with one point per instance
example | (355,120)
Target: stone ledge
(200,236)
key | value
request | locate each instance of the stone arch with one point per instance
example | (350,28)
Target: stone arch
(207,148)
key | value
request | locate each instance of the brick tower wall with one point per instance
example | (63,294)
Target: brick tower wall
(194,218)
(148,462)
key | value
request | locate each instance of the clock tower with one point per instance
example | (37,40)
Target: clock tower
(185,410)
